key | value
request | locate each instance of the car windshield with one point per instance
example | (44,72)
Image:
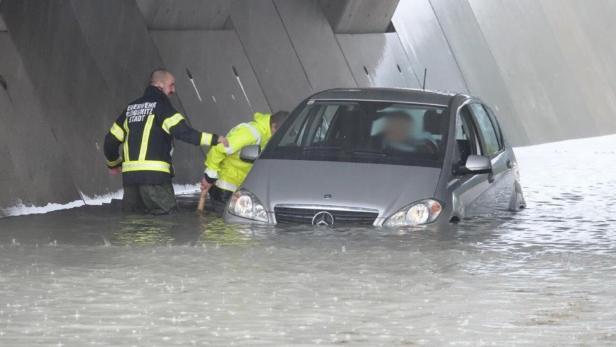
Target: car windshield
(363,131)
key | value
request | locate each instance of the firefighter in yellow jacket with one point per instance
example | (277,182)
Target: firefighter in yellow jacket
(224,170)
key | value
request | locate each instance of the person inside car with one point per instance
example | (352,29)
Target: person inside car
(400,134)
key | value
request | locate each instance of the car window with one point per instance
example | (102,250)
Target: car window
(466,136)
(323,123)
(489,139)
(364,131)
(295,132)
(499,131)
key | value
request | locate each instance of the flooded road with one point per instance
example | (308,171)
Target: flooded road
(544,276)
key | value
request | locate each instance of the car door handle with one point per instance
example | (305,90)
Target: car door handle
(509,164)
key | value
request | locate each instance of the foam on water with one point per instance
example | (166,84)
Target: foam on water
(22,209)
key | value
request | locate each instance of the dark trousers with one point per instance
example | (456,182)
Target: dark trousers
(219,198)
(146,198)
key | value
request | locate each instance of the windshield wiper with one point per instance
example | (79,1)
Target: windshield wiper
(321,148)
(352,152)
(368,152)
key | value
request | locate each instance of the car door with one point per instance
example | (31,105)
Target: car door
(500,182)
(508,180)
(467,189)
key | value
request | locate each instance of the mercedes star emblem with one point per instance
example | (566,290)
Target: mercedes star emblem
(323,219)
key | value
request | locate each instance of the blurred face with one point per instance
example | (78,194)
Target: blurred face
(166,85)
(274,128)
(398,129)
(169,85)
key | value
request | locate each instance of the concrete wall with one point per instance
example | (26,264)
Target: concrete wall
(315,44)
(70,66)
(79,82)
(546,65)
(359,16)
(32,156)
(378,60)
(272,56)
(480,72)
(542,84)
(185,14)
(73,97)
(427,46)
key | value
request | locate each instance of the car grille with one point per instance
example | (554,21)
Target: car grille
(305,215)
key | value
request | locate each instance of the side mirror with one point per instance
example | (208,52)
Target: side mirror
(250,153)
(476,165)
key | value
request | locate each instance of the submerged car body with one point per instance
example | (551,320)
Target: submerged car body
(381,157)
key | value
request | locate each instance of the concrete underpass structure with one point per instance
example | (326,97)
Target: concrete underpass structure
(68,67)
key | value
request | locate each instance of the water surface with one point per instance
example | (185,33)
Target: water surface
(544,276)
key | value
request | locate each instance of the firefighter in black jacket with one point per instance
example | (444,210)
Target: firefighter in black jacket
(146,129)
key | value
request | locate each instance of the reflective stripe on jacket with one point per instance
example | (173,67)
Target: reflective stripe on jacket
(224,163)
(145,130)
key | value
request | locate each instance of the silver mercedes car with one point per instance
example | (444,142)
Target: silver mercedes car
(380,157)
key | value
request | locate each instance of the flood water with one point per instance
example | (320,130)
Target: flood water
(544,276)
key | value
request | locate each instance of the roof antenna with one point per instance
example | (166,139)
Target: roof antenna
(424,81)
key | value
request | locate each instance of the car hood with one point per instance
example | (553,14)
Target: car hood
(385,188)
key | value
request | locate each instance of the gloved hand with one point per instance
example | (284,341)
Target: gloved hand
(209,179)
(223,140)
(205,185)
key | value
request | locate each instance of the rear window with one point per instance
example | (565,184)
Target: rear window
(368,132)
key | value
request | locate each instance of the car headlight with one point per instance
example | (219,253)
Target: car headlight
(244,204)
(419,213)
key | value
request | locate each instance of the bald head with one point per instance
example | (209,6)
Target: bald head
(163,80)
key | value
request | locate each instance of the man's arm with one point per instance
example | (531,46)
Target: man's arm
(114,138)
(238,138)
(177,127)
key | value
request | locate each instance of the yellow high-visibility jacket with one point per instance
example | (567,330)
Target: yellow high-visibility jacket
(224,165)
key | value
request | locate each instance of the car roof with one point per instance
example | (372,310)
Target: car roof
(415,96)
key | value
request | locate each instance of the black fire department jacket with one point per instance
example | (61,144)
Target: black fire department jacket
(146,129)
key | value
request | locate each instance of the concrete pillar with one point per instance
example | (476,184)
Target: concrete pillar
(539,77)
(2,24)
(32,170)
(73,94)
(86,60)
(477,64)
(427,47)
(271,53)
(185,14)
(359,16)
(315,44)
(378,60)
